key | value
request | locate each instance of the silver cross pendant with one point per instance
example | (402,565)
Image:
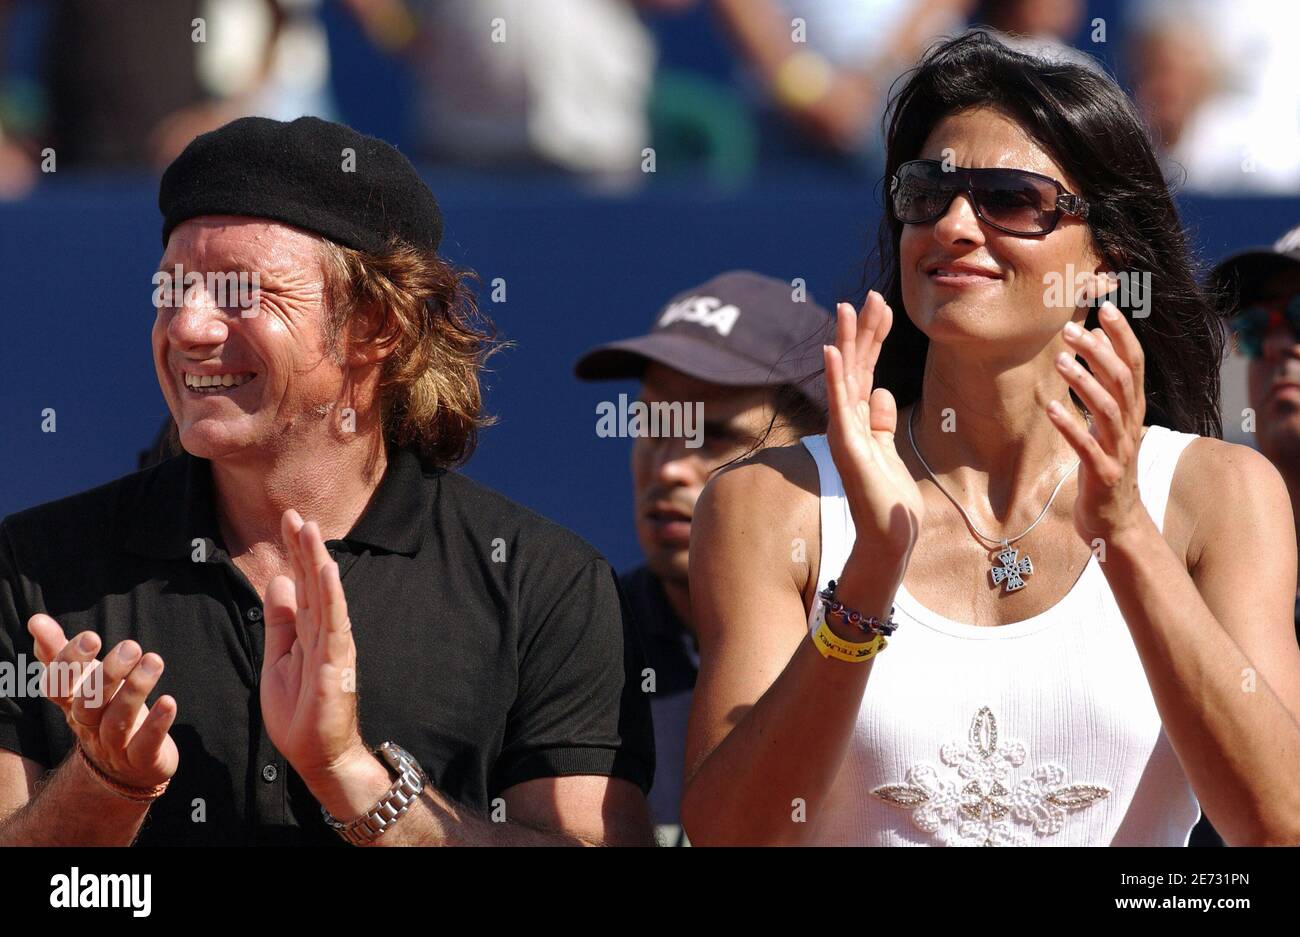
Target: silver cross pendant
(1011,569)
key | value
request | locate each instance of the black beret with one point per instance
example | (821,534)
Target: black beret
(297,173)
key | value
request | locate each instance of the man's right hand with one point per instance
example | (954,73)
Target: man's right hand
(104,703)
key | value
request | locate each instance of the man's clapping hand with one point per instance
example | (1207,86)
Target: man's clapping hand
(309,698)
(104,703)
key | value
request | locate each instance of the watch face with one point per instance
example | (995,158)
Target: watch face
(410,781)
(401,761)
(393,754)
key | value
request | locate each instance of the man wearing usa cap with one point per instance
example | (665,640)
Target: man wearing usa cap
(746,347)
(313,626)
(1262,289)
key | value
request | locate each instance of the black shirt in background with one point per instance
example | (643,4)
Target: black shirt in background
(115,68)
(671,653)
(491,643)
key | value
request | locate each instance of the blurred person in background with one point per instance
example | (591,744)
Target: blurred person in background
(1048,19)
(110,75)
(17,167)
(558,85)
(826,65)
(268,58)
(1264,287)
(742,346)
(1219,84)
(129,85)
(1261,289)
(1044,28)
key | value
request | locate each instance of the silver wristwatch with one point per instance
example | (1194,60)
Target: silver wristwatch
(372,824)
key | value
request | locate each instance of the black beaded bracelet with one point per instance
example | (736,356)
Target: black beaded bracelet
(867,623)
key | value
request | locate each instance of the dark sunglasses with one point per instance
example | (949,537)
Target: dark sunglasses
(1252,324)
(1012,200)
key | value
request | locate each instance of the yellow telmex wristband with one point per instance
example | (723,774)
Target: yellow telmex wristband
(831,645)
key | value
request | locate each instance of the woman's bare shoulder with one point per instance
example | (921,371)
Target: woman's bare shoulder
(1218,484)
(784,475)
(765,499)
(759,522)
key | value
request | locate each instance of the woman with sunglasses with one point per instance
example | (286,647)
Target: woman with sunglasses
(1018,593)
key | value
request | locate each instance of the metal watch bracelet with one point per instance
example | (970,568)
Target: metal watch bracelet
(372,824)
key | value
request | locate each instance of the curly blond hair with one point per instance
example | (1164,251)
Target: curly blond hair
(425,307)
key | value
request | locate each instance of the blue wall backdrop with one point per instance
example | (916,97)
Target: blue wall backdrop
(580,268)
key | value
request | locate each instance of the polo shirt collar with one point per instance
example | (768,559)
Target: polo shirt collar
(172,508)
(395,518)
(175,506)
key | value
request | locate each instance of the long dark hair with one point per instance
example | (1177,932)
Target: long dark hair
(1087,124)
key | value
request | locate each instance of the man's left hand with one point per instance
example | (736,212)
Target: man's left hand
(309,699)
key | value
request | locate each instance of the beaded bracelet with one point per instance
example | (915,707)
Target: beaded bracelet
(867,623)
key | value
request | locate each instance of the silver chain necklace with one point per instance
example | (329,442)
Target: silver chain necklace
(1009,567)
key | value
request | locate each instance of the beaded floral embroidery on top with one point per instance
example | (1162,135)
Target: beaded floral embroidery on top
(988,808)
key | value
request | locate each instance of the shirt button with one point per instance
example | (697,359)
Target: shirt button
(254,614)
(270,773)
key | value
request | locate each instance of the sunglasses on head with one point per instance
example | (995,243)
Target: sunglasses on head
(1252,324)
(1015,201)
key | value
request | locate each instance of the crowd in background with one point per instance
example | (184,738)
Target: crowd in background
(721,88)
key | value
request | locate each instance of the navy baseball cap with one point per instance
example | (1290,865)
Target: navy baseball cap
(1237,274)
(739,329)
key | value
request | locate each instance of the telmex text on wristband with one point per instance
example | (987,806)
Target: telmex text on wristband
(142,795)
(831,645)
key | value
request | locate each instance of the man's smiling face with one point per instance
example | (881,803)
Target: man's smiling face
(239,380)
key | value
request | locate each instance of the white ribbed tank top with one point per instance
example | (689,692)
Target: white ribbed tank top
(1039,732)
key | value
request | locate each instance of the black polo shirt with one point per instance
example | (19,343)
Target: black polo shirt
(492,644)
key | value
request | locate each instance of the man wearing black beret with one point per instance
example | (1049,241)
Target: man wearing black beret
(420,662)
